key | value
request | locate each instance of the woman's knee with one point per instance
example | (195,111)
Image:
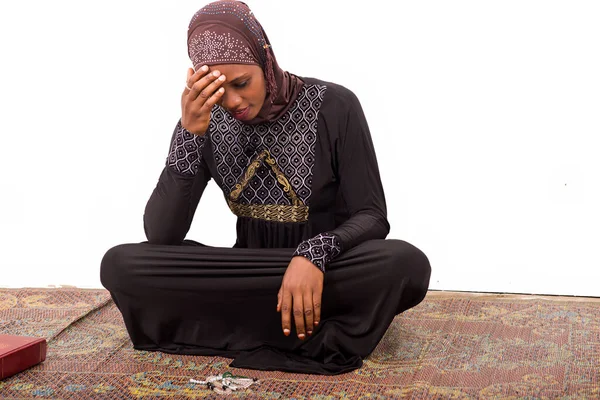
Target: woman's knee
(116,265)
(416,262)
(407,265)
(415,269)
(402,258)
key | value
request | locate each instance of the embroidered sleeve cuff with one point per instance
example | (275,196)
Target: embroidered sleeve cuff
(320,250)
(186,151)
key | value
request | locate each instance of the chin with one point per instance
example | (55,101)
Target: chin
(252,114)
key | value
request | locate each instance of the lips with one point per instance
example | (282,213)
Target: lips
(241,114)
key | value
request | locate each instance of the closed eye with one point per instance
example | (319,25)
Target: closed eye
(241,84)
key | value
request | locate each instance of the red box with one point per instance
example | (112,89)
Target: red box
(17,353)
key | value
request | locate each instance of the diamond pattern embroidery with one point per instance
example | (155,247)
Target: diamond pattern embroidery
(290,140)
(186,151)
(320,250)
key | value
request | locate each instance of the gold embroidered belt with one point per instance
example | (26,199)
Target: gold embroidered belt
(271,212)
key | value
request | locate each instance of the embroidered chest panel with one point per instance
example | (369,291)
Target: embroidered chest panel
(267,169)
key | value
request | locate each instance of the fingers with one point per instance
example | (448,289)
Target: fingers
(214,99)
(294,303)
(279,301)
(298,308)
(286,308)
(308,312)
(316,301)
(205,87)
(190,73)
(195,76)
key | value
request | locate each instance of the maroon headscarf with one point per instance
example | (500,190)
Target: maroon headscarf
(226,32)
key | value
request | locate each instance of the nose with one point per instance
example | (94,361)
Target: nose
(230,100)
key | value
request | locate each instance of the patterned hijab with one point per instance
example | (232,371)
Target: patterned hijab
(226,32)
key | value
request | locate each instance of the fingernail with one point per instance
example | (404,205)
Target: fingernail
(216,73)
(301,335)
(222,78)
(316,323)
(204,68)
(286,332)
(310,332)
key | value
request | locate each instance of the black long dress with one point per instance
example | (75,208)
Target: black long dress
(306,184)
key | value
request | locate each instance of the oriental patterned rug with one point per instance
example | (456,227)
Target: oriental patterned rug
(452,346)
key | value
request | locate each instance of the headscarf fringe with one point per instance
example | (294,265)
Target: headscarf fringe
(270,75)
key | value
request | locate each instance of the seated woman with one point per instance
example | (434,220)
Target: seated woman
(311,284)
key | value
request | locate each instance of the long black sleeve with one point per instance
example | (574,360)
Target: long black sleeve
(360,185)
(171,207)
(360,182)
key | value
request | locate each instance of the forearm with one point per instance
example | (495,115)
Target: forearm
(171,207)
(363,226)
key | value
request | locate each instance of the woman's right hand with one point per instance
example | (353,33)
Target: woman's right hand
(197,103)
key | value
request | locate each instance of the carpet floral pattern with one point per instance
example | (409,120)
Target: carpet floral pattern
(451,346)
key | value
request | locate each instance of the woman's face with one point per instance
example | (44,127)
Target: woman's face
(245,89)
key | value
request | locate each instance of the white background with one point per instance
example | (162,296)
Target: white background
(484,115)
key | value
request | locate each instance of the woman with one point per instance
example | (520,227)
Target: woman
(311,284)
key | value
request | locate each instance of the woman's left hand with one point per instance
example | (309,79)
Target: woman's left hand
(300,292)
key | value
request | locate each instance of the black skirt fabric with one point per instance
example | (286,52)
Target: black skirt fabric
(199,300)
